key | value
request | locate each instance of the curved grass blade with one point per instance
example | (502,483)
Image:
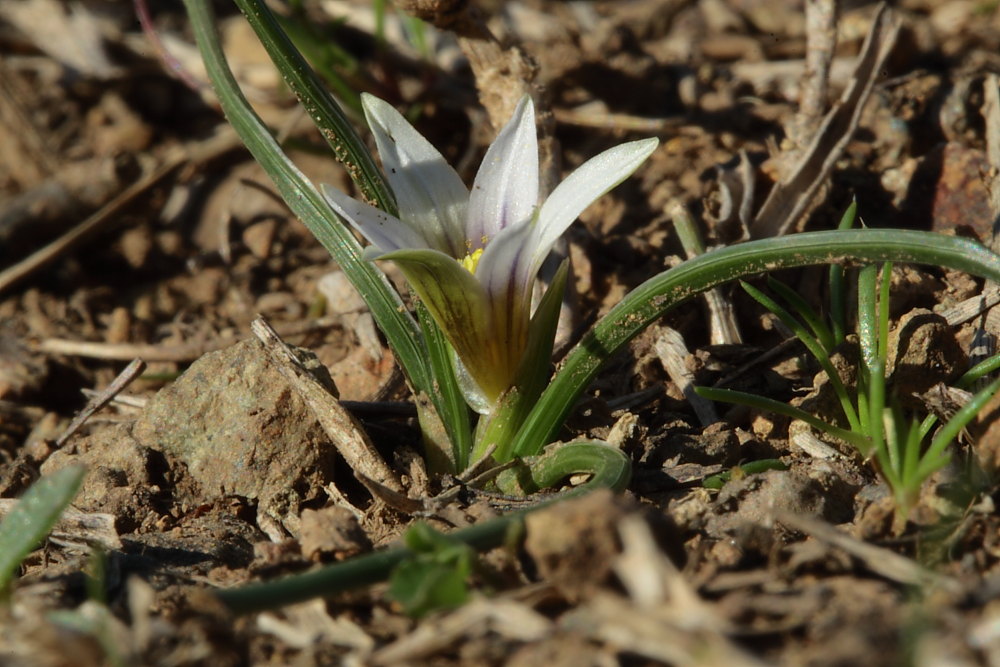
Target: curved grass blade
(387,308)
(663,292)
(608,466)
(33,517)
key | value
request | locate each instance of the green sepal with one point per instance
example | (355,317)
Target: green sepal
(532,377)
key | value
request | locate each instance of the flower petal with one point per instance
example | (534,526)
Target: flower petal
(430,194)
(384,231)
(592,179)
(506,188)
(503,273)
(460,307)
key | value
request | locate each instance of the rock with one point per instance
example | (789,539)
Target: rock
(241,430)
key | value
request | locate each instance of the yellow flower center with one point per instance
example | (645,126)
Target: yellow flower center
(471,260)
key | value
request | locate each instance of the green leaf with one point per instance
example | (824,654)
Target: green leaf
(608,467)
(33,517)
(434,577)
(660,294)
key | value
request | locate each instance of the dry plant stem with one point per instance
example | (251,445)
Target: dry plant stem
(821,43)
(972,307)
(201,151)
(176,353)
(776,352)
(76,529)
(343,430)
(789,199)
(721,318)
(507,618)
(504,74)
(605,120)
(881,561)
(124,379)
(672,351)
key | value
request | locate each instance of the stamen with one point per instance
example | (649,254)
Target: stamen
(471,261)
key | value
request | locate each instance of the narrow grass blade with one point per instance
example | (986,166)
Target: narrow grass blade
(980,370)
(326,57)
(665,291)
(806,312)
(324,111)
(446,395)
(935,456)
(608,466)
(815,348)
(777,407)
(33,517)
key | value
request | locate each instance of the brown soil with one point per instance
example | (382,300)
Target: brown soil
(210,470)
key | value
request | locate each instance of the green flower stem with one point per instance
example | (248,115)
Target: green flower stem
(660,294)
(387,308)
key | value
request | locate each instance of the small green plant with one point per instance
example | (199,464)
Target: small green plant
(434,577)
(875,424)
(33,517)
(476,355)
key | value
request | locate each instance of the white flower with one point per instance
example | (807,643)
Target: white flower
(472,257)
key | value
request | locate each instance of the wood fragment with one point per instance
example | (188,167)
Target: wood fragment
(343,430)
(821,44)
(672,351)
(881,561)
(791,197)
(102,398)
(76,528)
(180,353)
